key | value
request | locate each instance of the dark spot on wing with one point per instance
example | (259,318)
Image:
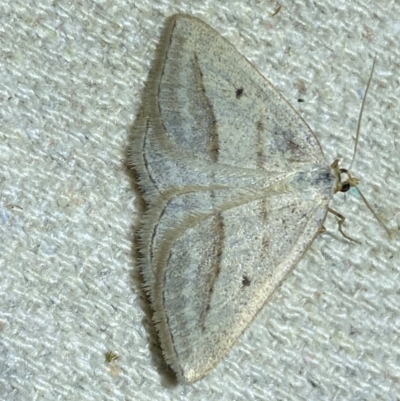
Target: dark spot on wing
(264,209)
(300,100)
(260,154)
(265,242)
(239,93)
(246,281)
(293,145)
(285,142)
(301,87)
(260,126)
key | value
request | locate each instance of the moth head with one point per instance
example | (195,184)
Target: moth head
(343,179)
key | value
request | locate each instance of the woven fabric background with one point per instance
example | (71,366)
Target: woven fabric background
(71,76)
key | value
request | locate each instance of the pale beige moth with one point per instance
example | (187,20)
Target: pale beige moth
(236,185)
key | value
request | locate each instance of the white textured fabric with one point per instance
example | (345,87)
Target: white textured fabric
(71,75)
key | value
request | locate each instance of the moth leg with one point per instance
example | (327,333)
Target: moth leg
(321,230)
(340,223)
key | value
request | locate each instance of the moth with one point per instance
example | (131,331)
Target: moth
(236,186)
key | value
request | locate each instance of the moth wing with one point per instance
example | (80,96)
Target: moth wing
(216,270)
(205,102)
(224,164)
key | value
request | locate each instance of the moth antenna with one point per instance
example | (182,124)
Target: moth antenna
(355,150)
(372,210)
(361,113)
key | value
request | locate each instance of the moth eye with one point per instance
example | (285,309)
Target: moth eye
(345,187)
